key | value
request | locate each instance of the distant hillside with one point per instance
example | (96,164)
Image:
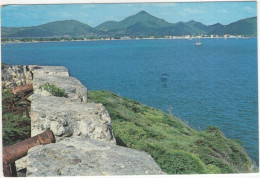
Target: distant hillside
(242,27)
(141,24)
(52,29)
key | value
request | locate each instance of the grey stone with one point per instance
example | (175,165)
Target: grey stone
(76,156)
(16,75)
(65,117)
(21,163)
(51,70)
(72,86)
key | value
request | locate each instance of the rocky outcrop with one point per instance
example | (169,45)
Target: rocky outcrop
(16,75)
(88,157)
(65,118)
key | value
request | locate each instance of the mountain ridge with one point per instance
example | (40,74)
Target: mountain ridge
(140,24)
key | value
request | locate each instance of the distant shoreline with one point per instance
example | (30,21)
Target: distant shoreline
(178,38)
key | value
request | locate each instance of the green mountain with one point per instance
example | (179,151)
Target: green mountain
(182,28)
(144,24)
(107,25)
(246,27)
(175,146)
(52,29)
(141,24)
(140,19)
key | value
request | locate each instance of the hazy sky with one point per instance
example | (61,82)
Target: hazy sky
(94,14)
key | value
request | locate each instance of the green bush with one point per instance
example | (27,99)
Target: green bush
(212,169)
(54,90)
(181,162)
(14,127)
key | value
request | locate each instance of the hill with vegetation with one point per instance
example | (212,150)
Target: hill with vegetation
(175,146)
(52,29)
(141,24)
(242,27)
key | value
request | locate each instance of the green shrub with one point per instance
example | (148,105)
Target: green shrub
(129,133)
(14,127)
(212,169)
(54,90)
(181,162)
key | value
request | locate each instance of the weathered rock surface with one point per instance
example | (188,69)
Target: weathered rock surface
(21,163)
(77,156)
(51,70)
(16,75)
(66,117)
(73,87)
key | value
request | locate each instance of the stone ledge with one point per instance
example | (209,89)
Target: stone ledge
(76,156)
(72,86)
(51,70)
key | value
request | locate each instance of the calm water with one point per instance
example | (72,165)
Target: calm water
(213,84)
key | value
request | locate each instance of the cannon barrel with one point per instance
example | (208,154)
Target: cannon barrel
(16,151)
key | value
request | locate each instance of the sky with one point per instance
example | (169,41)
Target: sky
(207,13)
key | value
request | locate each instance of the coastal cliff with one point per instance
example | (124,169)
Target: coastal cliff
(92,129)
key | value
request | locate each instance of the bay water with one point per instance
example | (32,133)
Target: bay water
(212,84)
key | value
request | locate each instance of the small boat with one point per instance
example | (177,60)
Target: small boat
(198,43)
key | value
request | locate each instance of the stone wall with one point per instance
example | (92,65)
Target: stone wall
(85,144)
(66,117)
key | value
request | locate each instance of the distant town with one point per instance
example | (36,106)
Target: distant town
(63,39)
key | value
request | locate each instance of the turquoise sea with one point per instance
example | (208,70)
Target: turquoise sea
(213,84)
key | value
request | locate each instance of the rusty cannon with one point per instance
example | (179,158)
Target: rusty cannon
(16,151)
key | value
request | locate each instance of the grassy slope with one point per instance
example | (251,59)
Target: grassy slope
(175,146)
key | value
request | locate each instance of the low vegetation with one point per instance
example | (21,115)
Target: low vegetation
(176,147)
(54,90)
